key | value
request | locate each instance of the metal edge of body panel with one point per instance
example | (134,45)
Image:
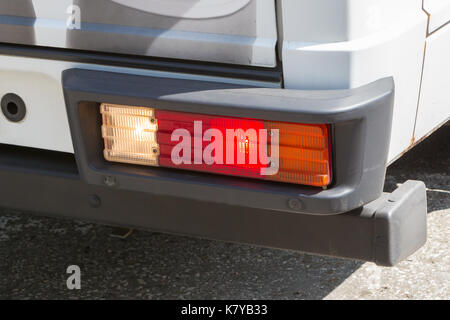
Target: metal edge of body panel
(151,63)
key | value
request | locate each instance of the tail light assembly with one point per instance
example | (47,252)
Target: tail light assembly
(224,144)
(252,148)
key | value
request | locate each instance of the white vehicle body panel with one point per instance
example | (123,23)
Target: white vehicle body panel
(323,44)
(434,106)
(38,83)
(366,40)
(191,9)
(439,11)
(226,31)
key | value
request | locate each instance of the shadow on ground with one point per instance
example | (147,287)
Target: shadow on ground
(35,253)
(429,162)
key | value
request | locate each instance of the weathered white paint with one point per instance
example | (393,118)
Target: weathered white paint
(434,106)
(192,9)
(439,11)
(339,44)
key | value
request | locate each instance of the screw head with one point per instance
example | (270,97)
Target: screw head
(109,181)
(294,204)
(94,201)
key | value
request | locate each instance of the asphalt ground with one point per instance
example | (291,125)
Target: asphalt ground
(36,251)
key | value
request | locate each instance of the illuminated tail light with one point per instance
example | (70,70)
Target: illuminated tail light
(145,136)
(130,134)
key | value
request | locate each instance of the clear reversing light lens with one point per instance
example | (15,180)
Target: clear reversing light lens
(130,134)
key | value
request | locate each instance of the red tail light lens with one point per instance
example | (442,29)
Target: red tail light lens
(269,150)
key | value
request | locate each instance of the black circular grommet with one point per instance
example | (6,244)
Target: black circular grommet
(94,201)
(13,107)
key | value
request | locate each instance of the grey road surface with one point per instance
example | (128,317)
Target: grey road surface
(35,252)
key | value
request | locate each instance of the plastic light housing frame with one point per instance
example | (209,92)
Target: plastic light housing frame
(144,136)
(360,120)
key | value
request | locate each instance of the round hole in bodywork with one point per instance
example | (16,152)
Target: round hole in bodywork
(13,107)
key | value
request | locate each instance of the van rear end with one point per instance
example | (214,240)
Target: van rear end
(262,122)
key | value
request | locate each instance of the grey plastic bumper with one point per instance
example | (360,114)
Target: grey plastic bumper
(384,231)
(400,223)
